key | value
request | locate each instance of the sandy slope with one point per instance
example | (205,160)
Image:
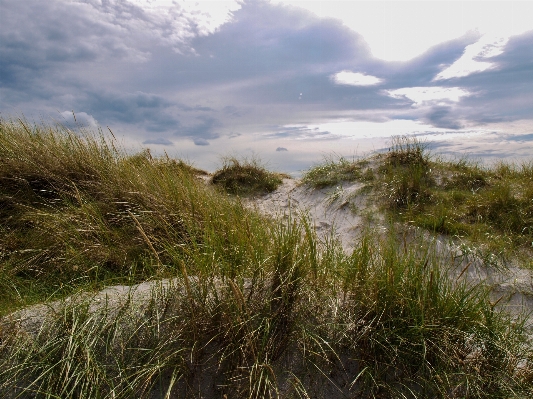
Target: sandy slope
(345,209)
(340,212)
(334,210)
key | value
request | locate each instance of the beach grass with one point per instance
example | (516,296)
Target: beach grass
(246,177)
(487,208)
(241,305)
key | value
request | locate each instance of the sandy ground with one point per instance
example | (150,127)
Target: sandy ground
(345,210)
(334,210)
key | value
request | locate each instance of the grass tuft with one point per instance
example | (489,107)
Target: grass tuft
(491,207)
(333,172)
(246,177)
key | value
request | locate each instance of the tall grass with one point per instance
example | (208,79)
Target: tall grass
(257,308)
(332,172)
(381,322)
(77,211)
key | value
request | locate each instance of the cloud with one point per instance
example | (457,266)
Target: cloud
(522,138)
(232,111)
(204,129)
(429,95)
(159,71)
(78,120)
(148,110)
(355,79)
(201,18)
(200,141)
(197,107)
(442,116)
(37,36)
(502,93)
(472,59)
(302,132)
(251,68)
(159,141)
(125,106)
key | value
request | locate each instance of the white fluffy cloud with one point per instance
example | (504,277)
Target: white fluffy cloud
(476,57)
(173,22)
(430,95)
(208,16)
(355,79)
(402,30)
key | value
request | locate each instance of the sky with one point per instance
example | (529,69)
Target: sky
(288,82)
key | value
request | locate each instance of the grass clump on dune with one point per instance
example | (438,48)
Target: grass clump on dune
(77,212)
(246,177)
(332,172)
(255,308)
(378,323)
(491,206)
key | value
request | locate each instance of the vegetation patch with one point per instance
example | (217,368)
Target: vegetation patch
(308,321)
(80,213)
(333,172)
(246,177)
(257,308)
(489,206)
